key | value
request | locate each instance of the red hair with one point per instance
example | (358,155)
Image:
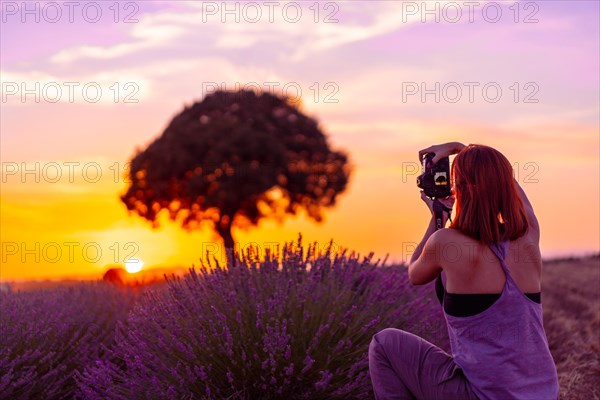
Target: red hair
(488,205)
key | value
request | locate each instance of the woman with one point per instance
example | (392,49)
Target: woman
(492,300)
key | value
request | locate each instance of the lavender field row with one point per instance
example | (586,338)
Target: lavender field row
(297,327)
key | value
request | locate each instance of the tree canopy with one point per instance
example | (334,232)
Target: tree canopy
(236,157)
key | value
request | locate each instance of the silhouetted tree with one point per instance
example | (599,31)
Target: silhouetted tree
(236,157)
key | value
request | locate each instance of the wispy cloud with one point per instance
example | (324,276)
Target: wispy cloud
(150,33)
(160,30)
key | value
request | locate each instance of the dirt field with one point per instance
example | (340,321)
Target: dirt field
(571,304)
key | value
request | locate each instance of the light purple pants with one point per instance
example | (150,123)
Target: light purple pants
(404,366)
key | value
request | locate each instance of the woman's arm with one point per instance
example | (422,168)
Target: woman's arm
(430,229)
(449,203)
(424,269)
(533,222)
(428,232)
(425,264)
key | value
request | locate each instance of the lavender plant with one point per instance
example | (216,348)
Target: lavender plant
(46,335)
(298,328)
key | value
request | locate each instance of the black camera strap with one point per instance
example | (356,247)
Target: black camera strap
(438,210)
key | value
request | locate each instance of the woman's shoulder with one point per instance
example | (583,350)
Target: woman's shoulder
(456,248)
(454,237)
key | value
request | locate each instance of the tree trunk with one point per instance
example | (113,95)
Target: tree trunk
(224,230)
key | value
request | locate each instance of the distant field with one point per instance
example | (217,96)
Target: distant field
(571,304)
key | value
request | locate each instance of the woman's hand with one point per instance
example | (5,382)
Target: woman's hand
(446,201)
(442,150)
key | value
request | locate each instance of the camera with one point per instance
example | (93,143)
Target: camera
(435,178)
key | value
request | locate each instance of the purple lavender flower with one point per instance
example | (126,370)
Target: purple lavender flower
(48,335)
(295,326)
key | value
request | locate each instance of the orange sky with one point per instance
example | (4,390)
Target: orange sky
(60,227)
(79,228)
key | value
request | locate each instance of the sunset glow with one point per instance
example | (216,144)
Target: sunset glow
(133,266)
(63,161)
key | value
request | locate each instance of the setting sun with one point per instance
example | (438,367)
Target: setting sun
(134,265)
